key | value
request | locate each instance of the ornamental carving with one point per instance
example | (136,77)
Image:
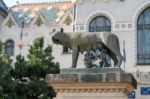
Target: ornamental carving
(10,23)
(145,77)
(89,90)
(68,20)
(39,21)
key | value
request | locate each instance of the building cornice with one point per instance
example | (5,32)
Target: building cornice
(40,3)
(92,87)
(93,1)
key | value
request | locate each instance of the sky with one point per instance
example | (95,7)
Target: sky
(10,3)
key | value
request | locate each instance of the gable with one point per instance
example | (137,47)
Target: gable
(10,23)
(39,21)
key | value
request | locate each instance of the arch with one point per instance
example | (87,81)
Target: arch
(100,24)
(135,18)
(139,11)
(9,47)
(98,13)
(143,37)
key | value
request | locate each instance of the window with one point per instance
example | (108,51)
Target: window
(100,24)
(143,37)
(9,48)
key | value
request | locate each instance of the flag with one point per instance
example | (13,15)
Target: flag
(124,51)
(20,43)
(124,54)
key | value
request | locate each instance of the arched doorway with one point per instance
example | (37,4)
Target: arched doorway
(143,37)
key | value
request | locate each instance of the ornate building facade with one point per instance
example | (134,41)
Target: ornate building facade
(128,19)
(39,20)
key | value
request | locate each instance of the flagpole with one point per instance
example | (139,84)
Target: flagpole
(22,26)
(124,53)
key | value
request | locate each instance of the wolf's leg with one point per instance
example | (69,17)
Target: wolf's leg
(75,54)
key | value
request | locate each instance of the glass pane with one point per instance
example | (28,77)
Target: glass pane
(143,37)
(100,24)
(9,48)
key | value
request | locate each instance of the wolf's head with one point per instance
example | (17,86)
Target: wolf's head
(60,38)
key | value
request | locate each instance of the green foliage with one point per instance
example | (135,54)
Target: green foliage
(27,80)
(30,75)
(41,58)
(1,47)
(20,68)
(6,82)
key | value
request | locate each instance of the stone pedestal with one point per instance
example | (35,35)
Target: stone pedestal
(92,84)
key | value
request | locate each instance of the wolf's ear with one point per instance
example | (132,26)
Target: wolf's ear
(61,30)
(54,30)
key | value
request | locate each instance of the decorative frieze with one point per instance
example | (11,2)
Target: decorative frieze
(93,83)
(123,26)
(89,90)
(80,28)
(145,77)
(93,1)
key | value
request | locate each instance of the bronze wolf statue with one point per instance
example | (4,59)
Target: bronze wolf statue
(80,42)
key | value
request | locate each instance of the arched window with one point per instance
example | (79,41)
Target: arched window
(100,24)
(143,37)
(9,47)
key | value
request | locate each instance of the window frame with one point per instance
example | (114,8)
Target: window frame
(141,27)
(103,28)
(11,47)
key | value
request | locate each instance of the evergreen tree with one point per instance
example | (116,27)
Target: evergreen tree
(30,75)
(6,82)
(41,60)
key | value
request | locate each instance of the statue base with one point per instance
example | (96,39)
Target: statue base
(95,83)
(90,70)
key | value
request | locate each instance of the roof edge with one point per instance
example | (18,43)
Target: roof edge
(36,3)
(5,13)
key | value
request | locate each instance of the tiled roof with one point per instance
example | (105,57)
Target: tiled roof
(52,14)
(3,5)
(39,6)
(22,16)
